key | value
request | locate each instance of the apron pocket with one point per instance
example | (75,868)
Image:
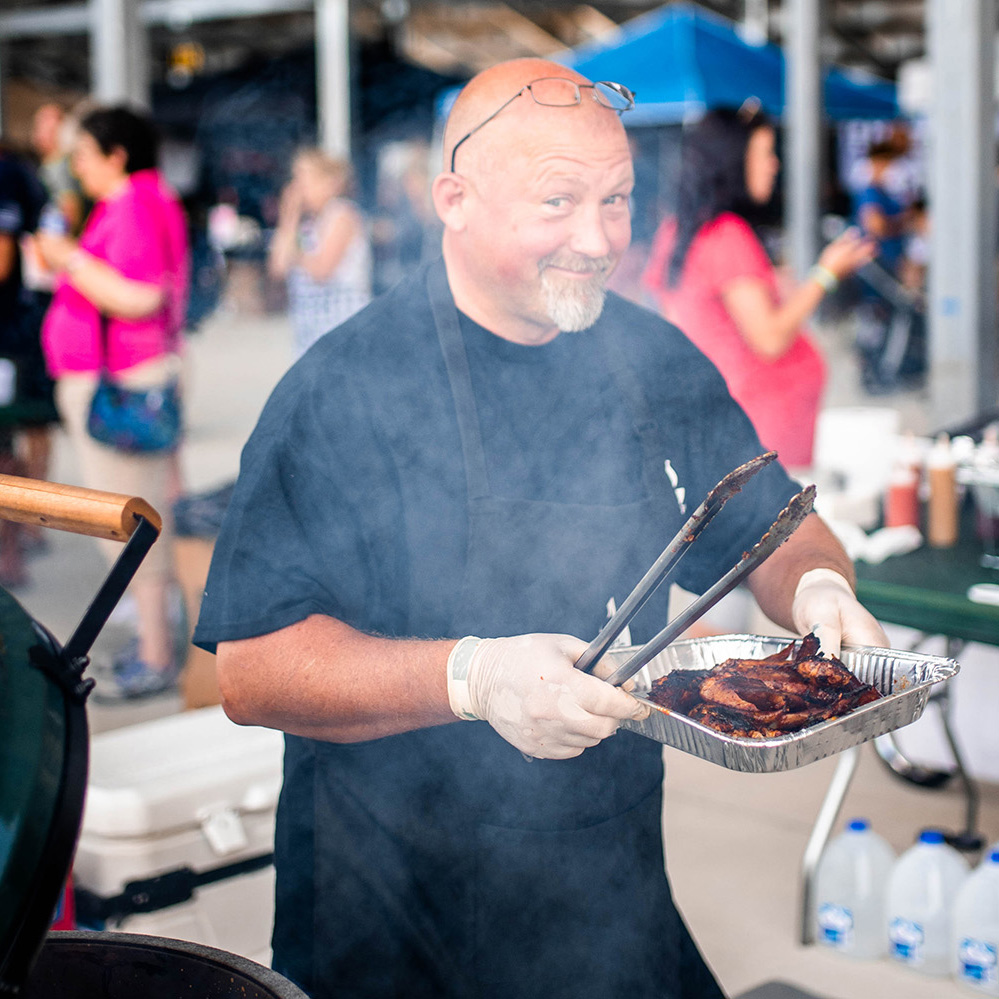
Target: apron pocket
(578,914)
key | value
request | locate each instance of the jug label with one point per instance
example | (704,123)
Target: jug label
(978,961)
(835,926)
(905,941)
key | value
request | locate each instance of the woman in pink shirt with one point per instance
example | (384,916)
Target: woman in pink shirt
(130,267)
(711,276)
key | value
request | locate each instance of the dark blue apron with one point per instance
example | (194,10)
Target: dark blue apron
(444,863)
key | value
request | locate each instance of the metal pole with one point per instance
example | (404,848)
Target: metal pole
(111,590)
(755,21)
(803,117)
(333,75)
(119,62)
(963,347)
(829,811)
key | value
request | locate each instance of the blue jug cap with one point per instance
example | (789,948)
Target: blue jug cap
(858,825)
(994,857)
(931,836)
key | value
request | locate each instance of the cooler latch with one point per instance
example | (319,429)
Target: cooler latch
(223,828)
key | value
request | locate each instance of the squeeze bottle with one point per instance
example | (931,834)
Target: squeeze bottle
(942,513)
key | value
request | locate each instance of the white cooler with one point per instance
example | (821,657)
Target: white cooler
(178,832)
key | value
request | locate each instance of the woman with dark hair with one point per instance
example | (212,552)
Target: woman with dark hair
(119,304)
(711,276)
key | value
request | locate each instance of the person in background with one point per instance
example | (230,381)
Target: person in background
(52,134)
(320,247)
(903,179)
(710,275)
(883,217)
(405,230)
(916,257)
(431,516)
(119,302)
(51,138)
(21,200)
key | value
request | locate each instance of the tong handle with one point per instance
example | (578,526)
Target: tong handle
(113,516)
(647,586)
(671,555)
(782,528)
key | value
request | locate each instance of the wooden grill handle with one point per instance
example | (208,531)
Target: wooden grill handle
(71,508)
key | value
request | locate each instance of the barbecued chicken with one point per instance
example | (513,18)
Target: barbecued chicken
(762,698)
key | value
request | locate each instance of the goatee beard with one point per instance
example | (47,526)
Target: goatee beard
(574,305)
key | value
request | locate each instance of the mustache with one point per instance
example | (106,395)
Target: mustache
(578,264)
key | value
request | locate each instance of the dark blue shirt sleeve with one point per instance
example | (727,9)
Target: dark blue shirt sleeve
(301,534)
(708,435)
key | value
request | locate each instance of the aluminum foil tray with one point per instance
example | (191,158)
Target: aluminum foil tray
(904,678)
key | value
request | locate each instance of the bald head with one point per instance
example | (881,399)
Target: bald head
(488,91)
(536,210)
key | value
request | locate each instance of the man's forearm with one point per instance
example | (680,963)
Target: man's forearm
(322,679)
(811,546)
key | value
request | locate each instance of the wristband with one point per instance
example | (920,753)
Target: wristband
(823,576)
(458,663)
(824,278)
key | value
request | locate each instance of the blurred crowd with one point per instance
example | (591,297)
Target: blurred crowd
(95,294)
(104,271)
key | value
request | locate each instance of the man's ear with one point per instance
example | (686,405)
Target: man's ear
(450,195)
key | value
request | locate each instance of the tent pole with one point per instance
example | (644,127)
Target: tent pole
(802,161)
(963,347)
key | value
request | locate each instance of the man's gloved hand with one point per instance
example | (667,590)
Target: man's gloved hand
(824,603)
(527,688)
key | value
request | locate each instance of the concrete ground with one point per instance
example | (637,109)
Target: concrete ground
(735,841)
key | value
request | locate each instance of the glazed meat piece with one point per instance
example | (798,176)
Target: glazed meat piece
(762,698)
(684,692)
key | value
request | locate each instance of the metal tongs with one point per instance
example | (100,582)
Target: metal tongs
(782,528)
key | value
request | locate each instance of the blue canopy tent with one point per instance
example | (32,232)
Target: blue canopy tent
(682,60)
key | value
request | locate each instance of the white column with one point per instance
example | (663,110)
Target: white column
(755,21)
(963,348)
(333,75)
(119,53)
(802,143)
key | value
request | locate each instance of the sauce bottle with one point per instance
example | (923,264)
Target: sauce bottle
(942,513)
(902,498)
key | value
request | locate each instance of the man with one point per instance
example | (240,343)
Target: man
(64,211)
(22,373)
(49,142)
(490,452)
(879,213)
(883,217)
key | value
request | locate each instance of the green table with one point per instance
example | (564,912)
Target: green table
(927,590)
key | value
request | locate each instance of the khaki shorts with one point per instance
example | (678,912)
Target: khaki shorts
(103,467)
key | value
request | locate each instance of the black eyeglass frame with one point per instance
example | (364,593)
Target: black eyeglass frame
(616,88)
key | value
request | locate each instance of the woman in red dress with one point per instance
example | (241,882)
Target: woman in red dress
(711,276)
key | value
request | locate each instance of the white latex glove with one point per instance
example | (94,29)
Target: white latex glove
(527,688)
(824,603)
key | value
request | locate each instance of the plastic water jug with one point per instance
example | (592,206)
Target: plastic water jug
(851,886)
(921,891)
(975,929)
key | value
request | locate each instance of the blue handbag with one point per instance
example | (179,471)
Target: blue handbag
(134,420)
